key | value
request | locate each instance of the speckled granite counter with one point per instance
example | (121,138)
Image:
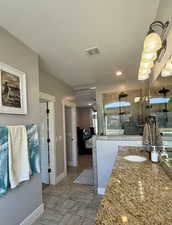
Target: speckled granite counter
(137,193)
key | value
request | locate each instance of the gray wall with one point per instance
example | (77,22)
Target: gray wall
(51,85)
(164,11)
(16,205)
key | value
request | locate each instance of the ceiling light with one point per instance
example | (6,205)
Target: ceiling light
(92,88)
(89,104)
(118,73)
(166,73)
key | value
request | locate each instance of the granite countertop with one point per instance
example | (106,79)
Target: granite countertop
(137,193)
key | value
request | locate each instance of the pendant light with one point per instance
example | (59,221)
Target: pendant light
(153,45)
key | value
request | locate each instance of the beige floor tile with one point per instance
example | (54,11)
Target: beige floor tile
(68,203)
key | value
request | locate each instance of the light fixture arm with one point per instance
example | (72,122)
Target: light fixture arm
(163,27)
(160,24)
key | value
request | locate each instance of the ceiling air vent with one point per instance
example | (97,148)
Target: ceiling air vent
(93,51)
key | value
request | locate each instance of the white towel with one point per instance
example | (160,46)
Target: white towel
(19,166)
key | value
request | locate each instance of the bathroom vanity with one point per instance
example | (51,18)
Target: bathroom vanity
(105,149)
(138,193)
(104,155)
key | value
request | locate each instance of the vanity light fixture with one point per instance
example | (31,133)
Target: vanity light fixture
(149,57)
(143,76)
(166,73)
(153,47)
(169,64)
(152,43)
(167,70)
(146,65)
(144,71)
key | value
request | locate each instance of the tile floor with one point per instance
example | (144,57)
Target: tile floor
(68,203)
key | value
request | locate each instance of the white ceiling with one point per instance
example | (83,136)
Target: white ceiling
(85,96)
(60,31)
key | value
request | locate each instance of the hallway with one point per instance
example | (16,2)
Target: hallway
(68,203)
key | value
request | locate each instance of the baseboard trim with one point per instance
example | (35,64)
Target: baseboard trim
(101,191)
(52,178)
(60,177)
(33,216)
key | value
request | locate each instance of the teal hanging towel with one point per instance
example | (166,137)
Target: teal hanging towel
(4,179)
(33,148)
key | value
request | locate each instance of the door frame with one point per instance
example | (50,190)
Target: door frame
(74,135)
(52,133)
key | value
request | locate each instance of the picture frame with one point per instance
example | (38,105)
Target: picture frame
(13,97)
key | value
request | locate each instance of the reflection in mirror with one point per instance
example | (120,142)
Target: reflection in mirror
(161,103)
(124,113)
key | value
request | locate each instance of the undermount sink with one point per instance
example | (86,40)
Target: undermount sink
(135,158)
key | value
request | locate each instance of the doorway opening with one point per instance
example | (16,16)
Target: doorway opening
(86,124)
(70,137)
(86,129)
(47,139)
(85,97)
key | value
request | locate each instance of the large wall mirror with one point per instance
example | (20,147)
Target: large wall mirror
(161,103)
(125,113)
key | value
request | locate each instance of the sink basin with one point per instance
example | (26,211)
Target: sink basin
(135,158)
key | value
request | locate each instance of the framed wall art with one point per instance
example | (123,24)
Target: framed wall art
(13,99)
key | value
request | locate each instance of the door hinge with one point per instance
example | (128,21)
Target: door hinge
(49,170)
(48,140)
(48,111)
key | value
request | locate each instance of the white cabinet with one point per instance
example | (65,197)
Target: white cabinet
(106,152)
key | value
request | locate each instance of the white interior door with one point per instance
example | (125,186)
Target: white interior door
(44,144)
(68,136)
